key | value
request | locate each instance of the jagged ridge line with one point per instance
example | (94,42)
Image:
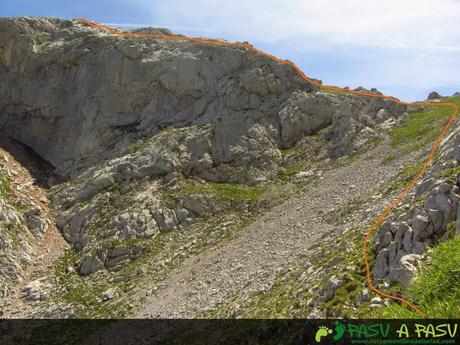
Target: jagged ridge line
(384,214)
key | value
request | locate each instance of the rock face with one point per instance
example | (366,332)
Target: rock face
(160,149)
(402,240)
(123,119)
(78,95)
(434,95)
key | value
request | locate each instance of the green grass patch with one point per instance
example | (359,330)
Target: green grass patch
(334,92)
(437,290)
(405,176)
(344,295)
(420,128)
(227,191)
(388,159)
(450,174)
(290,150)
(40,38)
(80,291)
(5,187)
(12,231)
(141,144)
(287,172)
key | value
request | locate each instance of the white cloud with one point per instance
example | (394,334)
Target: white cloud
(392,44)
(434,23)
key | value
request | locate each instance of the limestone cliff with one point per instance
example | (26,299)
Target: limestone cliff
(156,148)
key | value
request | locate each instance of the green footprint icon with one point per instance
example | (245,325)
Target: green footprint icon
(321,332)
(339,331)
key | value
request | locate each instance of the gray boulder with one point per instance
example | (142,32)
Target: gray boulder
(361,297)
(109,294)
(36,290)
(406,271)
(332,284)
(382,265)
(165,218)
(420,226)
(90,264)
(196,203)
(433,95)
(305,113)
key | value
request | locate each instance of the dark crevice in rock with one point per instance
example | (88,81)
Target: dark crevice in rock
(40,169)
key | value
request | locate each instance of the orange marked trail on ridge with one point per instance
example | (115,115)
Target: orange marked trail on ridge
(389,208)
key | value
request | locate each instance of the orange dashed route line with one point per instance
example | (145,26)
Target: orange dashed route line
(384,214)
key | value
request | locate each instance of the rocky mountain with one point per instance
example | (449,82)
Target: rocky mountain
(153,152)
(429,213)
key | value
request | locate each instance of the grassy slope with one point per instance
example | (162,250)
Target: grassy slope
(437,290)
(419,128)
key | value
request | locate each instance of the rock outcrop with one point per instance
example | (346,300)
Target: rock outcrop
(433,216)
(79,95)
(434,95)
(123,119)
(155,150)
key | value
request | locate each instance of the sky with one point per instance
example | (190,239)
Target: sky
(404,48)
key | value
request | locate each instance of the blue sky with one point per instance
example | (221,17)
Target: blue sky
(405,48)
